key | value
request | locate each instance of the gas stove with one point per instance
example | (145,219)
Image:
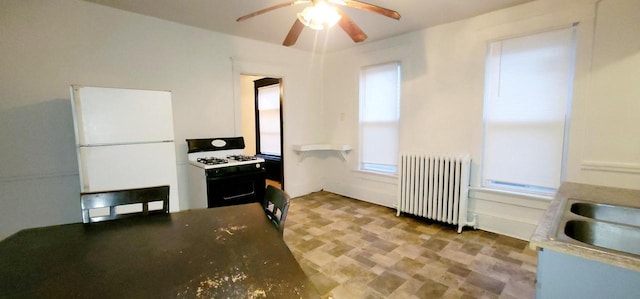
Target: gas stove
(221,174)
(219,152)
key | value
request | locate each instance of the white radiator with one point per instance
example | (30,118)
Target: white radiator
(435,186)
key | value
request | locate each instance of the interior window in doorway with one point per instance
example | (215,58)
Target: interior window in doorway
(268,117)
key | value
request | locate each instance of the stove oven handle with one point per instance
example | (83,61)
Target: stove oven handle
(237,196)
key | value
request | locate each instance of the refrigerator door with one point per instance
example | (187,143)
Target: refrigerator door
(129,166)
(121,116)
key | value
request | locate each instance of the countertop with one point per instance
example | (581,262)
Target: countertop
(544,235)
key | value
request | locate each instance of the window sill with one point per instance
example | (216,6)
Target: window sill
(268,157)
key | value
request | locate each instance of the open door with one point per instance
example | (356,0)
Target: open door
(262,123)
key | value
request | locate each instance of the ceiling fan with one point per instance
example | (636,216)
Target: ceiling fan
(323,14)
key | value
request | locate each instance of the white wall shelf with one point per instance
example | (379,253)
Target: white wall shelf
(303,149)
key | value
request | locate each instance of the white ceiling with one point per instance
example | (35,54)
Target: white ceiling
(272,27)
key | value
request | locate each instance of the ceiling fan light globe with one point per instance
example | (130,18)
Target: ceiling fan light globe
(319,16)
(307,20)
(332,18)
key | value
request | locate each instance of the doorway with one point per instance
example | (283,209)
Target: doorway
(262,129)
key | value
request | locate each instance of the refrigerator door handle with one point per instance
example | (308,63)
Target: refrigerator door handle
(124,143)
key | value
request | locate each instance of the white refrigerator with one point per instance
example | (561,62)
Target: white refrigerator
(124,139)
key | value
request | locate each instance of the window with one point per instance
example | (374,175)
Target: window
(268,116)
(379,117)
(527,98)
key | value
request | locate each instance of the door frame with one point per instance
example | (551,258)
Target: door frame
(268,81)
(240,67)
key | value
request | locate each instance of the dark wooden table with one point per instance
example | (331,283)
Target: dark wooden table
(226,252)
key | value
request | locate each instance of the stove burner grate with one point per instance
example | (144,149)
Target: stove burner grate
(241,157)
(212,161)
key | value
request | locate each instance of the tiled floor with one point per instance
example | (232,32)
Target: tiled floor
(353,249)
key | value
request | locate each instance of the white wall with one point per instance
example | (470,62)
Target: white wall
(48,45)
(442,100)
(610,123)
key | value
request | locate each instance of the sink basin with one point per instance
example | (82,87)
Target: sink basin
(618,214)
(605,235)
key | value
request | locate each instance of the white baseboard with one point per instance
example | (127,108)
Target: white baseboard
(505,214)
(515,228)
(370,195)
(300,188)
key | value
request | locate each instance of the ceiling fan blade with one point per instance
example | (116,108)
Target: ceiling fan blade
(268,9)
(356,34)
(369,7)
(292,37)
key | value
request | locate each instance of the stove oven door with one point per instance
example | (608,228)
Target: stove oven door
(235,188)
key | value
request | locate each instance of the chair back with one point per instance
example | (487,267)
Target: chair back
(126,199)
(276,206)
